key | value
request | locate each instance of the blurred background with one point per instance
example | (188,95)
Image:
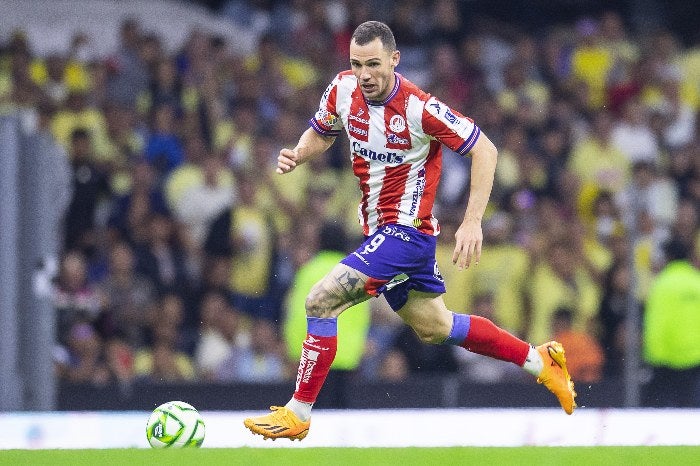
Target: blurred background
(149,251)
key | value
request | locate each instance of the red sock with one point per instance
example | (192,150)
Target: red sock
(486,338)
(317,355)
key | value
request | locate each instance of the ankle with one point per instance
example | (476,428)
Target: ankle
(533,362)
(300,408)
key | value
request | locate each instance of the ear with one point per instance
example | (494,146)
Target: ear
(395,58)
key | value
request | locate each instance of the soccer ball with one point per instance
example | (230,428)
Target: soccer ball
(175,424)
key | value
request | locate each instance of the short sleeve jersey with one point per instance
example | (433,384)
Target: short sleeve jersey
(396,148)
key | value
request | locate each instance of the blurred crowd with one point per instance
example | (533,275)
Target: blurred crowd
(181,243)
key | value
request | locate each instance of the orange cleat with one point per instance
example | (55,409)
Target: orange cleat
(280,423)
(555,377)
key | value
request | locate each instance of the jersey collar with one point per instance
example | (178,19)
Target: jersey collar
(394,91)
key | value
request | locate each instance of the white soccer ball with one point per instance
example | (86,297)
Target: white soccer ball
(175,424)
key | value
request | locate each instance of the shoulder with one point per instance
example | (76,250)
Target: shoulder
(408,88)
(344,77)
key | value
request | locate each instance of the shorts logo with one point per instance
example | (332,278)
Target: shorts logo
(397,280)
(436,273)
(397,124)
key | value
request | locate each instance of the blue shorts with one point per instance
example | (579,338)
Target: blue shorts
(397,259)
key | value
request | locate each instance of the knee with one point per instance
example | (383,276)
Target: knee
(317,305)
(433,333)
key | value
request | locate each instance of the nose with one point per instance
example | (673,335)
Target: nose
(364,74)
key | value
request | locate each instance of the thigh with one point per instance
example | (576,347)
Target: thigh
(427,314)
(340,289)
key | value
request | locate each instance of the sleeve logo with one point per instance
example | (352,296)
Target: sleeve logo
(326,118)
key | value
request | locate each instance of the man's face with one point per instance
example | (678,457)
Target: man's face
(373,66)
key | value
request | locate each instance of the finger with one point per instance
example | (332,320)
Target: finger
(286,161)
(457,253)
(470,253)
(285,165)
(477,253)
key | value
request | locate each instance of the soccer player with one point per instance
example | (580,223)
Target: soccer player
(396,131)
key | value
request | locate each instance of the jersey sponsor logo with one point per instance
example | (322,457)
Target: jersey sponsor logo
(354,129)
(357,118)
(394,139)
(418,191)
(391,230)
(417,222)
(386,157)
(397,124)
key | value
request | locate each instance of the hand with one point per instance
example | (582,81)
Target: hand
(287,161)
(469,238)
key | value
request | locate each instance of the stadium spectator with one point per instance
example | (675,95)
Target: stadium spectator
(127,71)
(613,315)
(585,356)
(74,298)
(131,211)
(90,186)
(82,361)
(163,148)
(260,361)
(633,136)
(119,357)
(597,161)
(128,297)
(393,367)
(245,233)
(221,330)
(671,329)
(561,280)
(162,257)
(199,190)
(162,362)
(79,114)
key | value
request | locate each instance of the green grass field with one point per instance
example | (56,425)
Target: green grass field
(362,456)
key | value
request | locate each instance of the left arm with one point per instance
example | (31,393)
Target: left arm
(469,236)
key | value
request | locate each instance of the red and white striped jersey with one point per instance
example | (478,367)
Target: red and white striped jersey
(396,148)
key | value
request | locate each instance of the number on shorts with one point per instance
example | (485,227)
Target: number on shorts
(374,244)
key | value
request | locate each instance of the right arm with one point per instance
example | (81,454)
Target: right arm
(310,145)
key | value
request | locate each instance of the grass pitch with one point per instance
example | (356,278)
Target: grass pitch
(361,456)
